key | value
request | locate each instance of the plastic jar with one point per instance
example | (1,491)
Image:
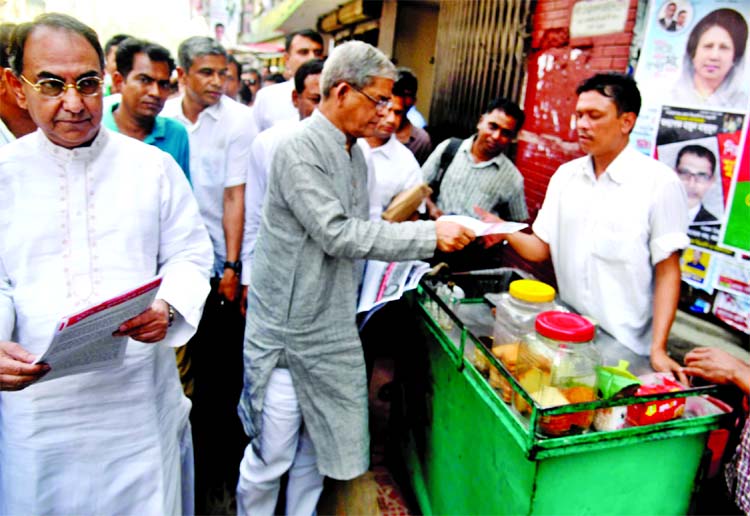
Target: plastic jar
(514,317)
(557,366)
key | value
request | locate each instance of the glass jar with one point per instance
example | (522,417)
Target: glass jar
(557,366)
(514,317)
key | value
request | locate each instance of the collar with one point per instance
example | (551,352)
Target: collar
(158,131)
(466,148)
(319,120)
(79,153)
(5,134)
(212,111)
(617,171)
(387,149)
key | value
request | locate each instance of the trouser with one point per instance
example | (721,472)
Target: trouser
(285,445)
(217,364)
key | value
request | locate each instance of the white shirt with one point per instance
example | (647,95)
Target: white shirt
(606,235)
(219,154)
(261,153)
(5,135)
(273,104)
(77,227)
(394,168)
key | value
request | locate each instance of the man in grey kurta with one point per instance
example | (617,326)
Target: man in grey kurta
(302,297)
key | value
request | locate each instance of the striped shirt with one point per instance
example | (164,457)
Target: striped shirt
(495,185)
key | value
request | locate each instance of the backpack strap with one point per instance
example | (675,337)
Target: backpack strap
(445,160)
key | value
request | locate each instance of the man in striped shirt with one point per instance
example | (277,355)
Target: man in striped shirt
(480,174)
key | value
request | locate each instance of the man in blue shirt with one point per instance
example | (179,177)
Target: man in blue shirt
(142,77)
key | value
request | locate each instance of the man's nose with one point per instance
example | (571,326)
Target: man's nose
(72,100)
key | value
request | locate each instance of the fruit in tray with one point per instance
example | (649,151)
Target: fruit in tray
(575,422)
(508,355)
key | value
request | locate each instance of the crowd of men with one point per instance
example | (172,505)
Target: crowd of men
(258,219)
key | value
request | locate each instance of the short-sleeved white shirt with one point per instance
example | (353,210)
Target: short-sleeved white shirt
(5,135)
(219,155)
(606,235)
(395,169)
(274,104)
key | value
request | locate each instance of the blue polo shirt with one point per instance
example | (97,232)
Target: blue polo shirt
(167,135)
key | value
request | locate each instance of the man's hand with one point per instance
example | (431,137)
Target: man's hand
(150,326)
(452,236)
(432,210)
(229,285)
(718,367)
(486,216)
(661,362)
(16,369)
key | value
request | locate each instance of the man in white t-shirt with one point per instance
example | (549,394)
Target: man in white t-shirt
(614,223)
(274,103)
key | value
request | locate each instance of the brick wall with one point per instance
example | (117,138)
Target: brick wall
(556,64)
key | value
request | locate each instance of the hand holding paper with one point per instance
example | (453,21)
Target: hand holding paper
(487,226)
(17,369)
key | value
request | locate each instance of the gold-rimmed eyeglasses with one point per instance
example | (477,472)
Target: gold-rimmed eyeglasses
(53,88)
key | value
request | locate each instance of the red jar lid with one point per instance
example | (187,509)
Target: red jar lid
(564,326)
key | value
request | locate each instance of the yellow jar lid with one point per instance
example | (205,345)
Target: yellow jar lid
(532,291)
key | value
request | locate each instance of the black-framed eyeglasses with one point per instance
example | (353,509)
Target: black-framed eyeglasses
(380,104)
(53,88)
(699,177)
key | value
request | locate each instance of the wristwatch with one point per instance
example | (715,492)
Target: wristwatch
(171,313)
(235,266)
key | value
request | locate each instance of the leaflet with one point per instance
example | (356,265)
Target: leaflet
(83,341)
(481,228)
(387,281)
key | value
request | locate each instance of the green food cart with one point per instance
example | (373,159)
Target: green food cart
(465,451)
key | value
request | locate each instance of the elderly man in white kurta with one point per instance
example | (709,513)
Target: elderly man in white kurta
(85,214)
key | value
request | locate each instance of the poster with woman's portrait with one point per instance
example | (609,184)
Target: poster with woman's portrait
(694,55)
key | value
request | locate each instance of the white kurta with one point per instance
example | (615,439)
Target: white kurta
(77,226)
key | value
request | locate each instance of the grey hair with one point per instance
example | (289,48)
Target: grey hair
(198,46)
(355,63)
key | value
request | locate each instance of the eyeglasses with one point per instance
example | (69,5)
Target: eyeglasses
(86,86)
(698,177)
(380,104)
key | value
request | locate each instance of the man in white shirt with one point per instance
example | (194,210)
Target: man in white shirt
(305,98)
(86,214)
(274,103)
(14,121)
(395,168)
(614,223)
(220,132)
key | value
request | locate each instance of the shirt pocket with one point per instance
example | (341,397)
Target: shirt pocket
(618,242)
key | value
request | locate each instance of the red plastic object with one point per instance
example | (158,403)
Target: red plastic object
(656,411)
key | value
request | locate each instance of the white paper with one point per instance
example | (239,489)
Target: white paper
(485,228)
(83,341)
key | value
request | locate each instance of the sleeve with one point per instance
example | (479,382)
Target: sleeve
(185,254)
(430,167)
(669,219)
(517,203)
(548,216)
(238,152)
(255,192)
(309,193)
(7,310)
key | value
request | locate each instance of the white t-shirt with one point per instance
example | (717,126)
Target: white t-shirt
(274,104)
(606,235)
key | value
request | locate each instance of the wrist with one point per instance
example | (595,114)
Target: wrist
(234,266)
(171,314)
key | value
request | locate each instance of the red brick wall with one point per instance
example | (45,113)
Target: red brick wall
(556,65)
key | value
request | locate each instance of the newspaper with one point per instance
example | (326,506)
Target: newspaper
(387,281)
(83,341)
(485,228)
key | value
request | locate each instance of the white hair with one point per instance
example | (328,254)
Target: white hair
(355,63)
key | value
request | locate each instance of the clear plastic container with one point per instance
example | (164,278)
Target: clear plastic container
(515,315)
(557,366)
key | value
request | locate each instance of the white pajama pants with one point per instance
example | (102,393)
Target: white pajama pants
(286,446)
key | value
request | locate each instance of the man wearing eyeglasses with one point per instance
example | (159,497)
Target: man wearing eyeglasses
(142,78)
(304,403)
(480,174)
(85,215)
(695,166)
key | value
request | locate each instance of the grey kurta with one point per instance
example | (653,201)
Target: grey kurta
(302,296)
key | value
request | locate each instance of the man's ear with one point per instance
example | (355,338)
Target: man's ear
(181,75)
(117,80)
(295,98)
(17,88)
(627,122)
(340,91)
